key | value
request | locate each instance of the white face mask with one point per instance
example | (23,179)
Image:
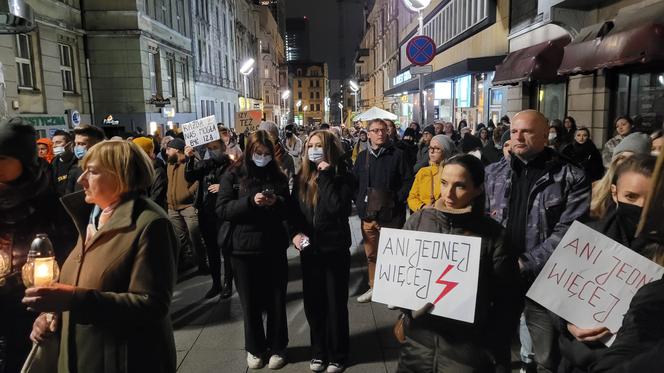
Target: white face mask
(315,154)
(476,153)
(552,136)
(58,150)
(261,160)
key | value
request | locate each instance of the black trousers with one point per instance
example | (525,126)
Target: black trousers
(261,282)
(210,224)
(544,334)
(325,279)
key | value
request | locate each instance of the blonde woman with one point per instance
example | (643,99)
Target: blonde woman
(426,187)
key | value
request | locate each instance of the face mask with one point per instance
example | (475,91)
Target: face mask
(289,134)
(476,153)
(58,150)
(654,153)
(315,154)
(79,151)
(552,136)
(216,155)
(261,160)
(629,216)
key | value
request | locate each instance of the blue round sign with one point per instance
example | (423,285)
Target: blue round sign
(420,50)
(75,118)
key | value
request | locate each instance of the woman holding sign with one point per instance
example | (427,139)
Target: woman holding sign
(438,344)
(319,226)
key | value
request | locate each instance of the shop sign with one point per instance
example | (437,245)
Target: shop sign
(403,77)
(109,121)
(158,101)
(45,121)
(168,112)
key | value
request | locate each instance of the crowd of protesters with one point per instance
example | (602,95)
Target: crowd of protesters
(128,214)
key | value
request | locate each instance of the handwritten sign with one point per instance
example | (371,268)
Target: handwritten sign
(415,268)
(590,279)
(200,131)
(247,120)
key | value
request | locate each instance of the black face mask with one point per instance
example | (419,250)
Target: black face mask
(629,216)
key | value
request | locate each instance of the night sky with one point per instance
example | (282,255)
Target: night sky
(323,18)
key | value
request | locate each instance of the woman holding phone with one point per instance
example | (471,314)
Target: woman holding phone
(321,204)
(252,197)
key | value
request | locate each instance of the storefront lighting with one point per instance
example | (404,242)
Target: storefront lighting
(170,124)
(298,103)
(661,79)
(541,95)
(153,127)
(285,95)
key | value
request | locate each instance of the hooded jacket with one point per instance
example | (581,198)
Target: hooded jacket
(556,199)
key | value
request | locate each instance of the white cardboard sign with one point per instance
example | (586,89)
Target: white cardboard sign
(200,131)
(590,279)
(414,268)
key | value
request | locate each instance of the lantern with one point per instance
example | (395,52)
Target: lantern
(40,269)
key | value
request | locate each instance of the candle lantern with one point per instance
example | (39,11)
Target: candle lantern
(40,269)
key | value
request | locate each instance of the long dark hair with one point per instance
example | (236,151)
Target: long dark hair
(475,168)
(251,172)
(306,179)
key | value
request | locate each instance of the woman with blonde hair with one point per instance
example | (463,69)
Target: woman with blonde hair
(116,285)
(321,204)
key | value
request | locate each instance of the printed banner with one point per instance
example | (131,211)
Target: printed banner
(200,131)
(414,268)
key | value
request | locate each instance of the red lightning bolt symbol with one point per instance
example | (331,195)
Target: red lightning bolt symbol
(449,285)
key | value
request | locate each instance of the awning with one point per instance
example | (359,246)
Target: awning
(467,66)
(634,37)
(539,63)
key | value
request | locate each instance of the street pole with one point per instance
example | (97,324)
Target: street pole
(420,77)
(246,86)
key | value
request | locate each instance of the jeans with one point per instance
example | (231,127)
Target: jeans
(526,342)
(544,337)
(186,226)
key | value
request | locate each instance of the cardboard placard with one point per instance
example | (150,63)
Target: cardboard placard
(247,120)
(414,268)
(590,279)
(200,131)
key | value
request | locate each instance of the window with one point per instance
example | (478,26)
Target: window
(311,95)
(299,95)
(318,95)
(153,59)
(24,61)
(311,84)
(551,100)
(166,14)
(299,84)
(317,107)
(317,83)
(179,22)
(66,68)
(642,95)
(171,89)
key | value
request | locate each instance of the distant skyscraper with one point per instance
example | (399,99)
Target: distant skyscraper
(297,39)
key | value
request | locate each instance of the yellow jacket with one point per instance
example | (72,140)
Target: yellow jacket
(421,191)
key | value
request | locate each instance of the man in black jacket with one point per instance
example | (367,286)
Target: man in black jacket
(383,181)
(63,162)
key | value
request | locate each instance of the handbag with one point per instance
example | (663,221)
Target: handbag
(399,328)
(43,357)
(380,202)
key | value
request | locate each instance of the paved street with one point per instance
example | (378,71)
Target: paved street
(209,334)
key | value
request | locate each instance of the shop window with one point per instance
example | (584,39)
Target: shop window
(463,91)
(641,96)
(24,61)
(66,68)
(551,100)
(153,64)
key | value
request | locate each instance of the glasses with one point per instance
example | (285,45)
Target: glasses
(435,150)
(378,130)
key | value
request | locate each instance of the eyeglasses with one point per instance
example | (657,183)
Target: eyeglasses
(435,150)
(378,130)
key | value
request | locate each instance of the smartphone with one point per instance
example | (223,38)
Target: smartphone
(268,193)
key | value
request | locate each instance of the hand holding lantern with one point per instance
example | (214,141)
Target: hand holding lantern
(40,269)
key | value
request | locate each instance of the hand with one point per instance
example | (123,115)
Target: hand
(322,166)
(44,326)
(588,335)
(214,188)
(189,151)
(297,241)
(271,200)
(54,298)
(259,199)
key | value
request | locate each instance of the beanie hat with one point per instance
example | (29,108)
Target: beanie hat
(409,132)
(470,143)
(18,140)
(429,129)
(446,143)
(637,143)
(176,143)
(146,144)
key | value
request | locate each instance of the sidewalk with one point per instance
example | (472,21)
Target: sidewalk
(209,335)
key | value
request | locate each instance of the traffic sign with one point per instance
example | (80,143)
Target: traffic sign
(75,118)
(420,50)
(415,70)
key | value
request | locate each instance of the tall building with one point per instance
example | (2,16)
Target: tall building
(297,39)
(247,47)
(214,49)
(271,58)
(278,9)
(310,91)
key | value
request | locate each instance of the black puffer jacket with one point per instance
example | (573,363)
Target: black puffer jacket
(326,224)
(255,229)
(207,172)
(60,168)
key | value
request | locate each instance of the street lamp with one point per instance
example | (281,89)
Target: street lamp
(246,69)
(355,88)
(341,113)
(284,96)
(304,115)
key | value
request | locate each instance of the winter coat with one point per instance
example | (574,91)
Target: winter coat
(254,229)
(72,179)
(159,186)
(558,198)
(607,152)
(587,156)
(389,172)
(119,318)
(326,224)
(180,192)
(206,172)
(60,171)
(491,154)
(425,189)
(409,150)
(498,294)
(422,153)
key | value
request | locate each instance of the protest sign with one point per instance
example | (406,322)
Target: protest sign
(590,279)
(414,268)
(200,131)
(247,120)
(653,211)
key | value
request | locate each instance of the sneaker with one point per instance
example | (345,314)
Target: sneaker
(366,297)
(253,361)
(335,368)
(317,365)
(227,291)
(277,361)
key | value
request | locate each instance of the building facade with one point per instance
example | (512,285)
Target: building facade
(271,58)
(297,39)
(310,90)
(44,76)
(213,45)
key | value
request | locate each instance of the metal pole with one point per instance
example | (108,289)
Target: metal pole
(420,77)
(244,79)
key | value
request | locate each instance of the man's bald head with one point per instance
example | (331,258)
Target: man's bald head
(528,134)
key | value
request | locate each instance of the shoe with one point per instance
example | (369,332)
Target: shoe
(277,361)
(254,362)
(335,368)
(227,290)
(317,365)
(366,297)
(213,292)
